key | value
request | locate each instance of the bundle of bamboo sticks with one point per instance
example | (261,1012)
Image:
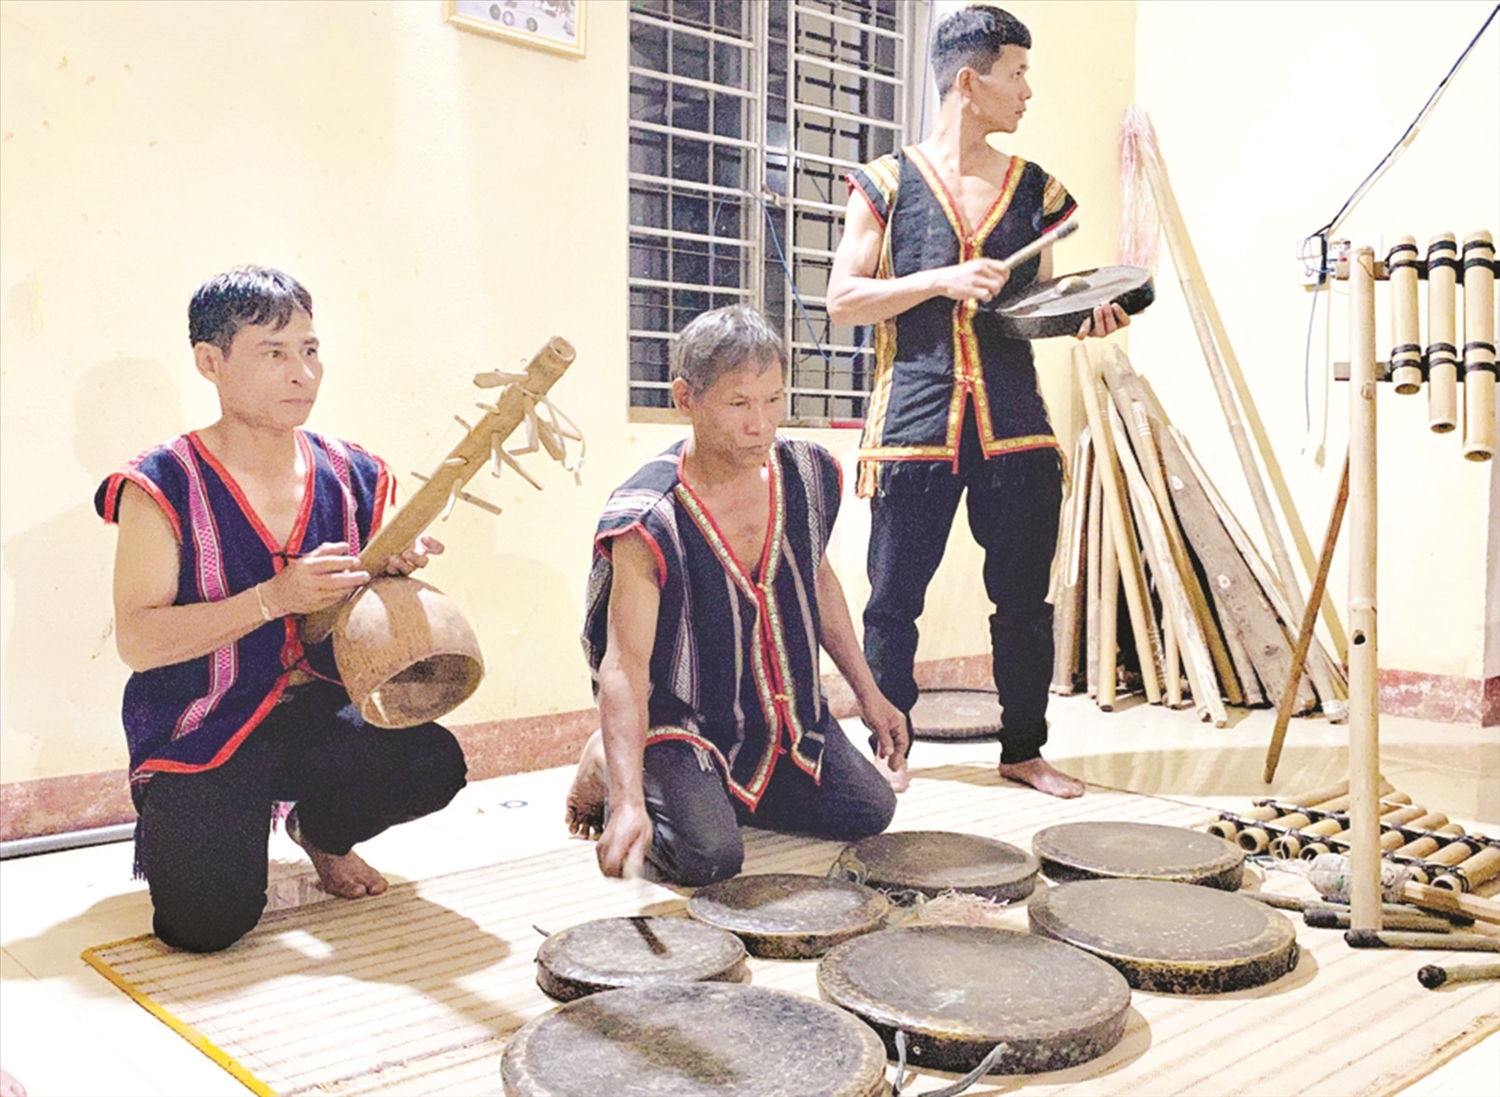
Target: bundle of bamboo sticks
(1207,618)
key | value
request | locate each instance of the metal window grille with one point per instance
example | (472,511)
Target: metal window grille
(744,119)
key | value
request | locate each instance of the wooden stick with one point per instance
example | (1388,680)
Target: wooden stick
(1175,231)
(1109,619)
(465,460)
(1148,646)
(1266,583)
(1045,240)
(1309,620)
(1433,976)
(1452,902)
(1364,711)
(1195,655)
(1137,409)
(1457,942)
(1068,597)
(1096,528)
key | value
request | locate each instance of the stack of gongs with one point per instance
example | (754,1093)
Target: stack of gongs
(1153,901)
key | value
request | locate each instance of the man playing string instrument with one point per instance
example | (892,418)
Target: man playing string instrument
(955,406)
(709,597)
(227,535)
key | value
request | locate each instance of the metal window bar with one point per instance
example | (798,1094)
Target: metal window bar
(842,53)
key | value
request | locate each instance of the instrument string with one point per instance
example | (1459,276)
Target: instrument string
(1324,269)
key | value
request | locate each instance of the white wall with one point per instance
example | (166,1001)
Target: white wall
(1268,116)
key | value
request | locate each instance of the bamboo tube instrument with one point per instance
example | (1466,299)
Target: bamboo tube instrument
(1479,346)
(1364,718)
(1401,266)
(1442,335)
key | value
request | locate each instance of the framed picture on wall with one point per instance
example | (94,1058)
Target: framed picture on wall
(555,25)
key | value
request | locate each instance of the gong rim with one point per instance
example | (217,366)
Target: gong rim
(1101,849)
(790,916)
(671,1040)
(1041,312)
(928,714)
(931,862)
(610,953)
(957,991)
(1170,938)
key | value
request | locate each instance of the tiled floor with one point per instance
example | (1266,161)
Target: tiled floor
(64,1030)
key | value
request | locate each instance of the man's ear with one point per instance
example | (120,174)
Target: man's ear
(682,395)
(209,359)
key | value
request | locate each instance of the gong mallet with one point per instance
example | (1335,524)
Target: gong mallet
(1436,975)
(1045,240)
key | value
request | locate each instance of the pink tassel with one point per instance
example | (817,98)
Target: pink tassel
(1140,221)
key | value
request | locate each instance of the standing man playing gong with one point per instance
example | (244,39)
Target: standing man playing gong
(709,597)
(227,536)
(956,406)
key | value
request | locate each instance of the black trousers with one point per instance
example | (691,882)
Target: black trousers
(697,821)
(202,836)
(1013,505)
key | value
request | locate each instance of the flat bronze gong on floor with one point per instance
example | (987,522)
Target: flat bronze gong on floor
(931,862)
(1138,851)
(953,714)
(703,1039)
(1172,938)
(957,991)
(784,915)
(610,953)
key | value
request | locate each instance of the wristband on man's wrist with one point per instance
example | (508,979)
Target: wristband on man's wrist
(266,614)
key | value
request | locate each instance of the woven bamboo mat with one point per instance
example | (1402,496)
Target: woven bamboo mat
(416,991)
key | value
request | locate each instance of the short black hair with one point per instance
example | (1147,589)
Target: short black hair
(240,297)
(973,37)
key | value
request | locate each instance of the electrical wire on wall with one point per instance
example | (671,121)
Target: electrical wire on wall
(1314,251)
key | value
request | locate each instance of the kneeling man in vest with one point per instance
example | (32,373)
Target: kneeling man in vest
(708,600)
(227,535)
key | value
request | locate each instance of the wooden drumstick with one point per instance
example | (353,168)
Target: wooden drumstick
(1442,351)
(1479,346)
(1364,711)
(1470,873)
(1433,976)
(1401,265)
(1457,942)
(1045,240)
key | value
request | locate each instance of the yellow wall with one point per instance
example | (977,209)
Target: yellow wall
(451,201)
(1268,116)
(1082,78)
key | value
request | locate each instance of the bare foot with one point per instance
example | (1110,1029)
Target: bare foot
(1040,775)
(585,813)
(348,877)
